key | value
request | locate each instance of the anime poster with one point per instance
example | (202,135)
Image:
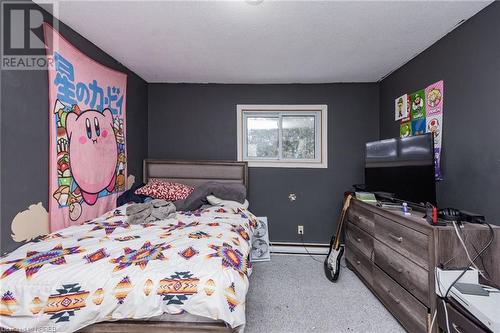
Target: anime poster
(401,107)
(418,127)
(417,105)
(405,129)
(434,96)
(88,156)
(433,125)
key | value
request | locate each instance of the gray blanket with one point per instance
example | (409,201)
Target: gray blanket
(154,210)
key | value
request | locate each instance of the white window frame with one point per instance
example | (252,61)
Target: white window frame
(321,131)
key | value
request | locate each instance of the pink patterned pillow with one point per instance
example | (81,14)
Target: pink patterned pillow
(162,189)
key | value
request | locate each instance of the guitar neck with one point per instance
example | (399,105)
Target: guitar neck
(343,213)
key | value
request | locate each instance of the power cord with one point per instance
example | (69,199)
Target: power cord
(436,277)
(492,233)
(465,248)
(305,248)
(485,270)
(465,238)
(488,278)
(446,316)
(458,254)
(433,319)
(478,255)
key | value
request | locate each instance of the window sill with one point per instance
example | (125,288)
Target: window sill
(276,164)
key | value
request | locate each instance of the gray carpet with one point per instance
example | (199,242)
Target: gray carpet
(291,294)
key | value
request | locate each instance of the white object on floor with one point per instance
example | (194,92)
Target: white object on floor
(261,249)
(444,278)
(484,308)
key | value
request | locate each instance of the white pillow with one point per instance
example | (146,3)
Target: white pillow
(214,201)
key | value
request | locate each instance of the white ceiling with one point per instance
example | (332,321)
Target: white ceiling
(270,42)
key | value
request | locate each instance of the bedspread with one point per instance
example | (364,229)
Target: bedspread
(107,269)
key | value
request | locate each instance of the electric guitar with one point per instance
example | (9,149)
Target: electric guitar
(332,261)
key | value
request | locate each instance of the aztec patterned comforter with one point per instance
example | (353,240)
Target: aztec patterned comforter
(107,269)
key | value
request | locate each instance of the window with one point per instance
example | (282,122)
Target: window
(291,136)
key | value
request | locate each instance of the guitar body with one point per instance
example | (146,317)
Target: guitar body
(332,261)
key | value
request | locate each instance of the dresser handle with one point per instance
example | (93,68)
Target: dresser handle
(396,238)
(393,297)
(358,240)
(397,269)
(456,328)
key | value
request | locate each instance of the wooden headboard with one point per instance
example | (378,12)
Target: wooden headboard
(193,173)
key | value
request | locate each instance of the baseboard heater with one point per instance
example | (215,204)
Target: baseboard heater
(299,248)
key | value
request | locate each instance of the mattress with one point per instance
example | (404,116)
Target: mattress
(107,270)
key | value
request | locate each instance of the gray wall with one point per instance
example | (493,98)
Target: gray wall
(24,131)
(468,60)
(198,121)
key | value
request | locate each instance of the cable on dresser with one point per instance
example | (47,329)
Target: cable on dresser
(472,260)
(458,254)
(444,305)
(465,248)
(485,270)
(492,233)
(433,320)
(480,258)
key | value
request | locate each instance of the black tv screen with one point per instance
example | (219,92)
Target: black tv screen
(404,167)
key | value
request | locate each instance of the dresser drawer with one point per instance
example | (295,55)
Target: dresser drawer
(407,309)
(360,239)
(410,243)
(359,262)
(362,218)
(405,272)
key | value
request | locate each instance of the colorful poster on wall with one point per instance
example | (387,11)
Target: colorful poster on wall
(405,129)
(434,96)
(87,117)
(418,126)
(401,107)
(417,105)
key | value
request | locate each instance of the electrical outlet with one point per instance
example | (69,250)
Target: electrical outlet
(300,229)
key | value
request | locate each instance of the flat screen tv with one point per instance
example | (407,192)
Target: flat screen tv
(404,167)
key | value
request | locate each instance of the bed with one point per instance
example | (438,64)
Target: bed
(185,274)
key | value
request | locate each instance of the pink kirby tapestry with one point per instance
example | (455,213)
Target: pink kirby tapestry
(88,156)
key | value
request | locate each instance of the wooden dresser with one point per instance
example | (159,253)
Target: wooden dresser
(395,255)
